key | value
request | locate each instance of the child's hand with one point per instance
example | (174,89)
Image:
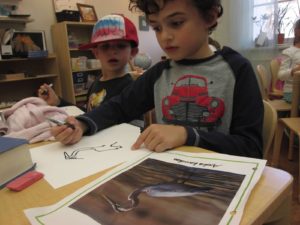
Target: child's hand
(48,94)
(158,137)
(67,135)
(296,69)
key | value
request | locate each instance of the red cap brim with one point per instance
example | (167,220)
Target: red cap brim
(88,46)
(93,45)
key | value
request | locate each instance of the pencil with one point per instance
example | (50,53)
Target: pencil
(60,123)
(45,92)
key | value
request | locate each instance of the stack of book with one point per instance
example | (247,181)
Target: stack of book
(37,54)
(15,159)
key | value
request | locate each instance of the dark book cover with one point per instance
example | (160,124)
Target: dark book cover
(15,159)
(7,143)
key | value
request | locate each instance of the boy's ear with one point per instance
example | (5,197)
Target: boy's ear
(213,17)
(134,51)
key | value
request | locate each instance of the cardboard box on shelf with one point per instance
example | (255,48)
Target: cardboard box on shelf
(67,15)
(12,76)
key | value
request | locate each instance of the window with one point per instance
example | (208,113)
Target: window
(275,16)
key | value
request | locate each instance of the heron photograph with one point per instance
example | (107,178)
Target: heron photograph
(159,192)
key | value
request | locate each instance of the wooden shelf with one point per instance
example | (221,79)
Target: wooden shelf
(37,77)
(8,19)
(78,23)
(27,59)
(86,70)
(38,71)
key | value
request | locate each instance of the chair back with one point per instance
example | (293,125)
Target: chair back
(269,127)
(274,67)
(263,80)
(295,95)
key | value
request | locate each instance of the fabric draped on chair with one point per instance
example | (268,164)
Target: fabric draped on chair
(276,86)
(263,78)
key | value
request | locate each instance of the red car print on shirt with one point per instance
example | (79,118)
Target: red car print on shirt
(189,104)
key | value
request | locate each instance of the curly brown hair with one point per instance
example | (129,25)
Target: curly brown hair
(296,27)
(205,8)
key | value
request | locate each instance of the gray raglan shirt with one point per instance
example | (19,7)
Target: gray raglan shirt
(216,99)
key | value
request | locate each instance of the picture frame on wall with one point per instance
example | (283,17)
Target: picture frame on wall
(143,23)
(87,13)
(24,42)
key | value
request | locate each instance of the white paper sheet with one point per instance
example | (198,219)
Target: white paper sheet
(229,181)
(63,164)
(72,110)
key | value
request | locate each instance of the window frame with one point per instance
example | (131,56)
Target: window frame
(275,4)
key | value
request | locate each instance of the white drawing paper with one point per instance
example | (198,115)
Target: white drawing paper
(63,164)
(72,110)
(164,188)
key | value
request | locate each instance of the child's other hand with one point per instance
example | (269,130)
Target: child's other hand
(66,135)
(48,94)
(159,138)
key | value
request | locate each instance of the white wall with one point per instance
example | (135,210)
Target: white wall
(42,11)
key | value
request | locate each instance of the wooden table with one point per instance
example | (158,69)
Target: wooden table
(269,201)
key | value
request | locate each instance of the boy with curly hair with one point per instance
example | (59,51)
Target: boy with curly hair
(201,98)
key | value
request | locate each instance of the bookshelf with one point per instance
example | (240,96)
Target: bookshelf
(74,63)
(21,77)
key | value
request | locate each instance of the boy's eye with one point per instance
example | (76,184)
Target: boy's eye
(176,23)
(107,46)
(156,28)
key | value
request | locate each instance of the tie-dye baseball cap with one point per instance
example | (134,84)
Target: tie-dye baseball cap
(113,27)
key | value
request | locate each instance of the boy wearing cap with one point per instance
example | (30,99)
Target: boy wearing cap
(114,42)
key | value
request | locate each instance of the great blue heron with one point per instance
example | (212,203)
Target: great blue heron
(169,189)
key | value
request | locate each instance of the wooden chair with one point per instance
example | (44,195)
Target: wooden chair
(274,67)
(149,118)
(269,127)
(278,104)
(292,123)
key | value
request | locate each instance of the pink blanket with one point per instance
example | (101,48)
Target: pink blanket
(28,119)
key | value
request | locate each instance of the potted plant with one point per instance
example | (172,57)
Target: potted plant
(262,23)
(281,21)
